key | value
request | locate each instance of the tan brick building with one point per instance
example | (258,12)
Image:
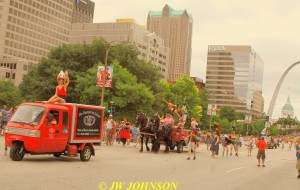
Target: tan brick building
(13,69)
(150,46)
(175,27)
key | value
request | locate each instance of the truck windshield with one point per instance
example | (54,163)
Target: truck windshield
(28,114)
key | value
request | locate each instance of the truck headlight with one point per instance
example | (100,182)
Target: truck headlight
(34,133)
(7,129)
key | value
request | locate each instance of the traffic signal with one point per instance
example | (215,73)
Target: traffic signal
(109,110)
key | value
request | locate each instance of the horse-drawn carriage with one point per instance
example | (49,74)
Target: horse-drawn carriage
(180,138)
(165,134)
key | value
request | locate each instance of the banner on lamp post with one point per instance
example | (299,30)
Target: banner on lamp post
(248,119)
(104,76)
(212,109)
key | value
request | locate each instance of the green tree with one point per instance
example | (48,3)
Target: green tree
(227,112)
(256,127)
(128,95)
(39,84)
(182,92)
(9,94)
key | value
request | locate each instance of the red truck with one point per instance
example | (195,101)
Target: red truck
(60,129)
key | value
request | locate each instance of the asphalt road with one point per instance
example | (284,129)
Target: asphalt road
(126,164)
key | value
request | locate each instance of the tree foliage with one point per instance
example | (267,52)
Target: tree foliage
(182,92)
(9,94)
(40,83)
(128,95)
(227,112)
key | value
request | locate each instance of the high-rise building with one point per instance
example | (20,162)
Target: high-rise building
(30,28)
(234,77)
(83,11)
(150,46)
(175,27)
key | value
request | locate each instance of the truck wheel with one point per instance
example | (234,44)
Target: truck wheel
(179,147)
(17,152)
(57,155)
(86,154)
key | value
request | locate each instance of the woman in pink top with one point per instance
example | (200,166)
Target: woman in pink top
(169,120)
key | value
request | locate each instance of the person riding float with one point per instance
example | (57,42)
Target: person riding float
(172,107)
(61,89)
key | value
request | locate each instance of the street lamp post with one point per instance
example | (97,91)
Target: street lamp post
(105,66)
(107,50)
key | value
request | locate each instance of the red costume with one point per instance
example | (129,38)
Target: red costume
(124,133)
(62,91)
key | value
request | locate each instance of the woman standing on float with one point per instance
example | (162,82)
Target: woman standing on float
(61,89)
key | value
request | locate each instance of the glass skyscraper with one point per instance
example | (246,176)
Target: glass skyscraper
(234,77)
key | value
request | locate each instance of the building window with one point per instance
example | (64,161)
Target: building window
(7,75)
(13,76)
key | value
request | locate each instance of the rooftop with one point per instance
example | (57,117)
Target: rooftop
(288,106)
(172,12)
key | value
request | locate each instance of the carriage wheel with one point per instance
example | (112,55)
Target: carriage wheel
(172,147)
(179,147)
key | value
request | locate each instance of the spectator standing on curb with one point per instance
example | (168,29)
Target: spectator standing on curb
(261,145)
(250,146)
(215,145)
(137,134)
(4,115)
(192,144)
(237,145)
(224,145)
(109,126)
(298,157)
(208,140)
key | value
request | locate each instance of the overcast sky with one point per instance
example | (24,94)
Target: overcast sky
(271,27)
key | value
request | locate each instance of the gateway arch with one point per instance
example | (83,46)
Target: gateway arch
(274,97)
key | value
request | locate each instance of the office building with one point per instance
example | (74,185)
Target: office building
(234,77)
(83,11)
(30,28)
(13,69)
(175,27)
(150,46)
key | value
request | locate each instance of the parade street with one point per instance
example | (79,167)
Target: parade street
(127,165)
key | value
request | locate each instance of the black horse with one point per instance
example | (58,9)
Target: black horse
(155,127)
(165,134)
(142,123)
(161,133)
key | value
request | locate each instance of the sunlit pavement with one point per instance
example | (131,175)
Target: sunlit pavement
(126,164)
